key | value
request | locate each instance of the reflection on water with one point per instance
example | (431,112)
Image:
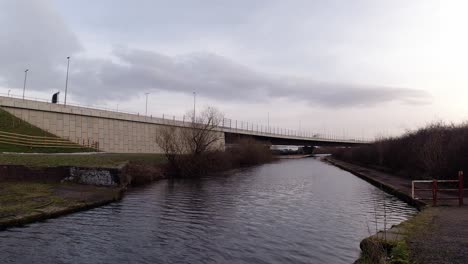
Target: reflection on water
(294,211)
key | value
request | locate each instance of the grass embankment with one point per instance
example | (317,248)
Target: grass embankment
(11,124)
(436,151)
(106,160)
(24,202)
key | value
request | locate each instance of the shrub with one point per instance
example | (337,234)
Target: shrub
(435,151)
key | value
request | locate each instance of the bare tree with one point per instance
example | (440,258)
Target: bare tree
(186,147)
(202,135)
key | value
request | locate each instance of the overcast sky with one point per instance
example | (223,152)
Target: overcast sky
(355,68)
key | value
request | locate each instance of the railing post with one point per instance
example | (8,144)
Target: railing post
(412,189)
(434,192)
(460,188)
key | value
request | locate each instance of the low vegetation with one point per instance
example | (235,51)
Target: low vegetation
(379,251)
(435,151)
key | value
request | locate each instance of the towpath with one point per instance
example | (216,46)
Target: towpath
(443,236)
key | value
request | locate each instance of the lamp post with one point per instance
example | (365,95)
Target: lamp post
(146,109)
(24,84)
(194,101)
(268,122)
(66,80)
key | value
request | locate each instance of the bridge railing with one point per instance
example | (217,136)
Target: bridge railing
(227,124)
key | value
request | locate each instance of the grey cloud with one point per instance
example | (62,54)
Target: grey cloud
(37,38)
(220,78)
(33,36)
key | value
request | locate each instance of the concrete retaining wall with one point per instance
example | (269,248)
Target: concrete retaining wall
(115,132)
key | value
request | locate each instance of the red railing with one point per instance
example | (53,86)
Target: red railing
(436,188)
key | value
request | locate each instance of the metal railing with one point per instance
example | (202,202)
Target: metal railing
(435,189)
(227,124)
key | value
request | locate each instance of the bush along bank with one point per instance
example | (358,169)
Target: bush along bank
(245,153)
(436,151)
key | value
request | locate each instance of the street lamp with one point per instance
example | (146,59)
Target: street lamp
(25,77)
(194,101)
(66,80)
(268,122)
(146,111)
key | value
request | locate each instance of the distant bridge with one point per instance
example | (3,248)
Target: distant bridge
(124,132)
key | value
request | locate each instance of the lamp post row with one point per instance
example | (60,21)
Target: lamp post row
(66,81)
(146,105)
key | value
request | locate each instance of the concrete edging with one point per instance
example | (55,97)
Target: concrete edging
(382,185)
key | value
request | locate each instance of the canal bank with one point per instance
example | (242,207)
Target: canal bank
(30,194)
(37,186)
(27,202)
(435,235)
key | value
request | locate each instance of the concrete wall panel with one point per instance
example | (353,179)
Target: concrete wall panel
(115,132)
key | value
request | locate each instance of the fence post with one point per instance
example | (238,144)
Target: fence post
(460,188)
(434,192)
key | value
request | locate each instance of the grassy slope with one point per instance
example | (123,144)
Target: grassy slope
(92,160)
(12,124)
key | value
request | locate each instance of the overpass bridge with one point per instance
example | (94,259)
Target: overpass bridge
(124,132)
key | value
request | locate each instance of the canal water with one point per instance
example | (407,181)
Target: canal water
(291,211)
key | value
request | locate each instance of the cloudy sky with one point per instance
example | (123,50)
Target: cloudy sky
(354,68)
